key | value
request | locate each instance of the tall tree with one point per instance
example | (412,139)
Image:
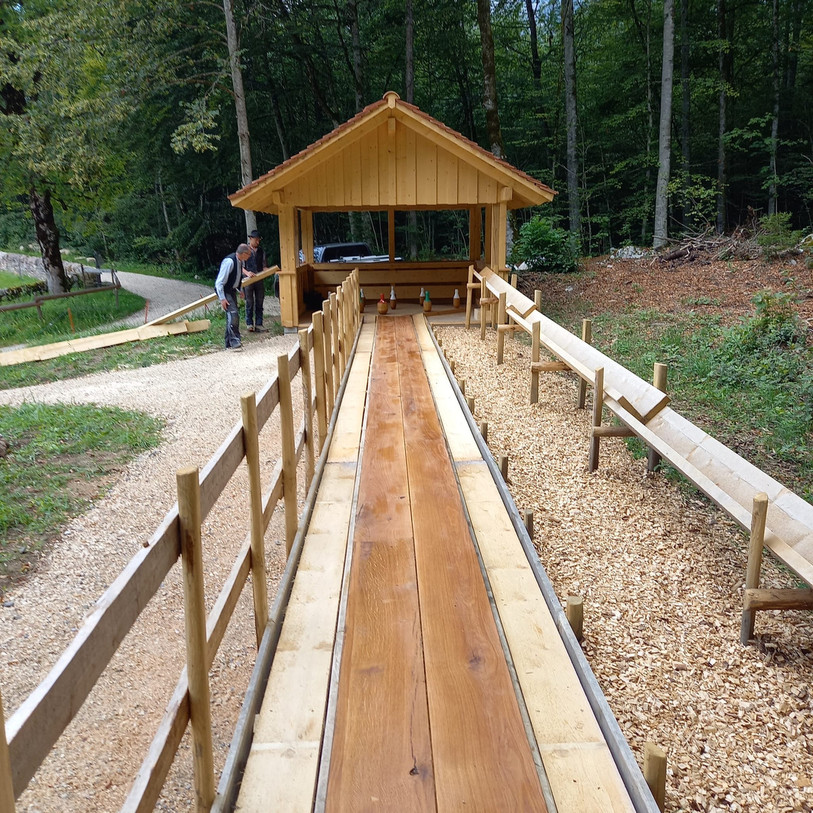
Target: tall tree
(724,65)
(774,142)
(665,130)
(685,108)
(243,136)
(574,208)
(493,127)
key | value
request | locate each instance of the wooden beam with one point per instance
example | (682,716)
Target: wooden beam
(611,432)
(549,366)
(781,599)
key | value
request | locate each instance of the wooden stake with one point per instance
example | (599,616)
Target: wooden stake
(197,669)
(307,405)
(484,430)
(538,300)
(470,403)
(535,350)
(500,323)
(504,466)
(659,381)
(513,280)
(319,375)
(6,785)
(451,366)
(462,384)
(529,523)
(286,420)
(484,296)
(598,404)
(575,616)
(759,515)
(248,405)
(655,772)
(587,336)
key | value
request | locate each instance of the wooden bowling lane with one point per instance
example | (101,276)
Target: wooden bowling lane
(426,713)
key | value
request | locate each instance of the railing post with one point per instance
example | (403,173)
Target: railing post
(535,350)
(6,786)
(334,336)
(598,405)
(327,317)
(341,349)
(759,515)
(659,381)
(587,336)
(307,403)
(470,287)
(484,294)
(248,405)
(286,421)
(319,376)
(197,669)
(501,310)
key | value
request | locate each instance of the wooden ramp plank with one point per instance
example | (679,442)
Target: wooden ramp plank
(283,763)
(482,757)
(578,764)
(381,754)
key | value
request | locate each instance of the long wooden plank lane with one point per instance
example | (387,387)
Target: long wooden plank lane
(481,754)
(381,754)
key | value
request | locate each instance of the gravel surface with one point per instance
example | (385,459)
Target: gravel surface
(661,573)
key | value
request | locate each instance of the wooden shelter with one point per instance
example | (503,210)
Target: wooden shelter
(392,157)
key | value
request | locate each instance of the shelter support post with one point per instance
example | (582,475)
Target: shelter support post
(289,293)
(306,234)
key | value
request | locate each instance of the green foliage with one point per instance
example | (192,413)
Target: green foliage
(750,385)
(543,247)
(52,449)
(775,234)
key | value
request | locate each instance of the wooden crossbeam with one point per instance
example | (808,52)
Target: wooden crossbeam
(784,599)
(549,366)
(612,432)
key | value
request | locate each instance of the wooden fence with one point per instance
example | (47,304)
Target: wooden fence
(37,301)
(321,357)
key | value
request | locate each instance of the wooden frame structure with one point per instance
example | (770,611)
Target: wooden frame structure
(775,517)
(390,157)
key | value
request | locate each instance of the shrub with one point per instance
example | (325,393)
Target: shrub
(775,234)
(545,248)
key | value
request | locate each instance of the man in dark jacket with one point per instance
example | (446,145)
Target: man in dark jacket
(255,294)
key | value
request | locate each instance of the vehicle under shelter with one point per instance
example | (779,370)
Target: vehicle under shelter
(391,157)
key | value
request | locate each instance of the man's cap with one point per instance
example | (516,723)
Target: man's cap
(255,233)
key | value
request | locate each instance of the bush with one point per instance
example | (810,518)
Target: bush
(545,248)
(775,234)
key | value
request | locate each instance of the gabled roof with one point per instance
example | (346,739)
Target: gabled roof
(391,154)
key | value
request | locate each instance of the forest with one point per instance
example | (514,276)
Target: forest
(126,123)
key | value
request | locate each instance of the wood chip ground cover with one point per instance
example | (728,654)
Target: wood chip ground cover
(661,574)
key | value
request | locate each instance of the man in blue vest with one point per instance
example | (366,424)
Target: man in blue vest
(227,285)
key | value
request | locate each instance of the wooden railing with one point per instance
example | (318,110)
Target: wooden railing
(37,301)
(321,357)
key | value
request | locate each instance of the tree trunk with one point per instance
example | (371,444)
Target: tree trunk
(665,132)
(495,141)
(774,143)
(721,129)
(48,239)
(686,104)
(574,208)
(409,83)
(358,73)
(644,34)
(536,62)
(240,107)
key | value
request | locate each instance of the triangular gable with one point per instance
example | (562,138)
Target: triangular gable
(391,155)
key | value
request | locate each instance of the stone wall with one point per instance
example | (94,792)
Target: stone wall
(23,265)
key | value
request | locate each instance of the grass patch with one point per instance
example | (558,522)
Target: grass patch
(8,280)
(750,385)
(59,459)
(67,318)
